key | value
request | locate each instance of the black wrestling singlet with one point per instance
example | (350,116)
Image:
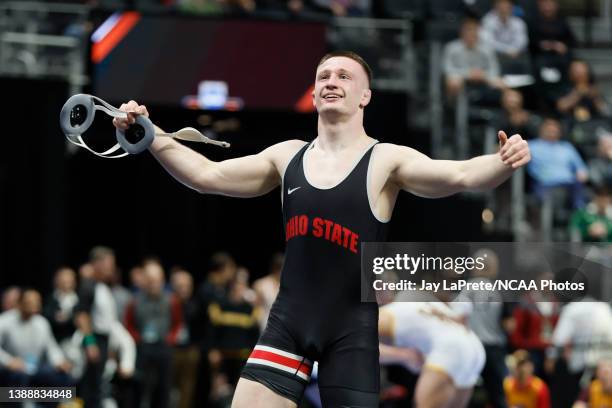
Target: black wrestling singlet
(318,314)
(324,229)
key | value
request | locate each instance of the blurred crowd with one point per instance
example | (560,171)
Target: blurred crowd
(520,66)
(297,8)
(154,339)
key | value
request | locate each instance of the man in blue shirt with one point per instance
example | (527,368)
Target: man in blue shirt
(556,163)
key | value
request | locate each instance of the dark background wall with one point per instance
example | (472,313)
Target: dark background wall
(56,205)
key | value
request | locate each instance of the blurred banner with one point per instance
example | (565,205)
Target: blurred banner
(206,64)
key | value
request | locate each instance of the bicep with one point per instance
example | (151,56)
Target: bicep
(418,174)
(247,176)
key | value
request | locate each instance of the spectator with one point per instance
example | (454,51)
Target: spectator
(599,392)
(29,354)
(10,298)
(550,33)
(600,167)
(584,100)
(234,328)
(490,319)
(117,380)
(507,35)
(154,319)
(121,294)
(86,272)
(345,8)
(535,318)
(523,389)
(515,118)
(267,288)
(60,306)
(221,272)
(467,60)
(187,352)
(594,222)
(120,366)
(581,339)
(295,7)
(136,278)
(556,164)
(551,41)
(95,315)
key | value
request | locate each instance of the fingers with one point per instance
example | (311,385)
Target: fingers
(515,152)
(503,138)
(511,145)
(133,109)
(521,161)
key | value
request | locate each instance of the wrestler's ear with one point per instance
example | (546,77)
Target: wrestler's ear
(365,98)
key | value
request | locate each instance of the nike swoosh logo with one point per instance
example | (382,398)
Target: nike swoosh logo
(291,190)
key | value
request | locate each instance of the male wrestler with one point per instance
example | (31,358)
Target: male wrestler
(337,192)
(429,338)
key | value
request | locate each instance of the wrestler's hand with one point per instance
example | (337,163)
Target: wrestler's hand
(413,359)
(133,109)
(513,151)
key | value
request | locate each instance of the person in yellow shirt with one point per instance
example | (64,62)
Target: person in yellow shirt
(599,393)
(522,388)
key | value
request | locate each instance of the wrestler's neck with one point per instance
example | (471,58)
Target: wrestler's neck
(339,132)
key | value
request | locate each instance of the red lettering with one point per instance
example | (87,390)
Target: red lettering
(297,224)
(337,234)
(317,227)
(303,226)
(347,235)
(322,228)
(289,231)
(328,225)
(354,238)
(292,227)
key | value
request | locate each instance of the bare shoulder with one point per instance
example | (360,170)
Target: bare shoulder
(281,153)
(285,149)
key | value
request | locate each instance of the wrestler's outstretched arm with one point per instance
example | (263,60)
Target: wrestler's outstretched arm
(415,172)
(409,357)
(247,176)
